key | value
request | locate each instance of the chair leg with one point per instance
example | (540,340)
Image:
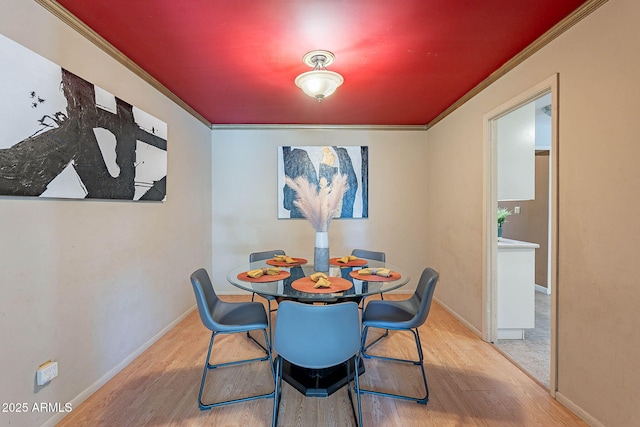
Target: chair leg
(253,296)
(277,391)
(367,347)
(419,362)
(208,366)
(386,334)
(356,384)
(356,388)
(269,320)
(256,342)
(361,305)
(269,323)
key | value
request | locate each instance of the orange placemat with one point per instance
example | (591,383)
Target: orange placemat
(264,278)
(355,263)
(305,284)
(375,278)
(297,261)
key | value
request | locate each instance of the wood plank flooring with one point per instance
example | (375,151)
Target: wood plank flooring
(470,384)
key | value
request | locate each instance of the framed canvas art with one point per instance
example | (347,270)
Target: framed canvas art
(317,162)
(63,137)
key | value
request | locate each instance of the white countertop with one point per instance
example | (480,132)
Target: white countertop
(515,244)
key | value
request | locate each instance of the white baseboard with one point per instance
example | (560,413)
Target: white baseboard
(457,316)
(542,289)
(510,334)
(119,367)
(586,417)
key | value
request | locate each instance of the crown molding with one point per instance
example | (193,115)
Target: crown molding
(72,21)
(317,127)
(576,16)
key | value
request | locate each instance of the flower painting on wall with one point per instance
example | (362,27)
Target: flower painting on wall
(318,165)
(64,137)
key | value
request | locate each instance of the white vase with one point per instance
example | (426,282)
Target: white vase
(321,252)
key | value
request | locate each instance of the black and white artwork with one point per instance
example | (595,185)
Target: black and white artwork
(63,137)
(316,162)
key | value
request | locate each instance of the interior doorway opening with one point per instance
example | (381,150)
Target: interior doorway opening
(521,177)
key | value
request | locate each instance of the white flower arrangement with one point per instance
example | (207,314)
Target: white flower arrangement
(318,205)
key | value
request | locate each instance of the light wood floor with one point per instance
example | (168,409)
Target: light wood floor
(470,384)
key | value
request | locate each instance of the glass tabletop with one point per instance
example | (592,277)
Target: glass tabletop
(360,286)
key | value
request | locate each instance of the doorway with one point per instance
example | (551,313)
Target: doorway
(544,297)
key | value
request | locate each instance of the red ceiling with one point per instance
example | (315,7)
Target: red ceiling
(403,61)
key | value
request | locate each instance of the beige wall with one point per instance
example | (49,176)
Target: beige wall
(598,62)
(90,283)
(244,198)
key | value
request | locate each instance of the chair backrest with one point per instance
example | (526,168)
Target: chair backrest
(423,296)
(260,256)
(206,298)
(363,253)
(317,336)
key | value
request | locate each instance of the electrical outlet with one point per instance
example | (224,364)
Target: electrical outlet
(46,372)
(516,209)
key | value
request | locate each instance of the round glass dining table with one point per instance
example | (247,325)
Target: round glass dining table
(293,283)
(346,283)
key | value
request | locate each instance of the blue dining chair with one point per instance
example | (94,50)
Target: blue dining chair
(373,255)
(318,337)
(376,256)
(222,317)
(365,253)
(261,256)
(406,315)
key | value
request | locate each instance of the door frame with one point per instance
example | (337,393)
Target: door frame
(490,206)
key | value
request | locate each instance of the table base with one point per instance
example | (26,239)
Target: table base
(318,382)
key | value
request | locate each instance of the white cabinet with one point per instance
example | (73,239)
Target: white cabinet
(516,154)
(543,122)
(516,288)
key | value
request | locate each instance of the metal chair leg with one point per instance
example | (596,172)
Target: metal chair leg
(356,388)
(208,366)
(277,392)
(367,347)
(386,334)
(268,322)
(356,384)
(419,362)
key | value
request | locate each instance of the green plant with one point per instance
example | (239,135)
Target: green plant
(503,213)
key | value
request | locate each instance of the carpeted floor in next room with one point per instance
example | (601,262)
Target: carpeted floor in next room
(534,352)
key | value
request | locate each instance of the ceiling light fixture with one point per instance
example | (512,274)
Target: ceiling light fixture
(319,82)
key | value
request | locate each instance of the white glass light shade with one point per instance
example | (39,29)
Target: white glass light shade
(319,83)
